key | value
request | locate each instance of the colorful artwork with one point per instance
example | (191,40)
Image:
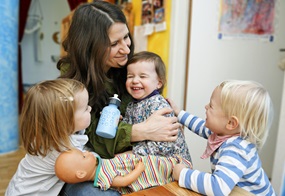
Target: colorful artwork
(253,18)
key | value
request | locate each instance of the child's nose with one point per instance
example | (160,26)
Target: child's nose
(135,79)
(206,106)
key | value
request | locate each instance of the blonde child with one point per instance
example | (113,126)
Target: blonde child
(125,173)
(54,116)
(238,119)
(146,78)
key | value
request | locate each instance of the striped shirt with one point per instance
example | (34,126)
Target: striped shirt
(235,162)
(158,171)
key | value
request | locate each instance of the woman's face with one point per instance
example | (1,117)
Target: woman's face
(120,43)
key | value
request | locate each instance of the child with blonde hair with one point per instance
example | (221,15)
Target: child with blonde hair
(53,119)
(238,119)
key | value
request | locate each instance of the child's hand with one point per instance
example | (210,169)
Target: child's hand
(176,170)
(140,166)
(173,106)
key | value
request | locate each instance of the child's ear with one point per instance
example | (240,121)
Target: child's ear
(159,85)
(232,123)
(80,174)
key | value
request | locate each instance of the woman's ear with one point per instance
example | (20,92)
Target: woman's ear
(233,123)
(80,174)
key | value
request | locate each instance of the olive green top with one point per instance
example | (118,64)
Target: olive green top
(107,148)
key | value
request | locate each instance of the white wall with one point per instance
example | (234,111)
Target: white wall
(279,160)
(213,60)
(53,12)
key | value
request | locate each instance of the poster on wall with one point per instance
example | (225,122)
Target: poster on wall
(153,15)
(247,19)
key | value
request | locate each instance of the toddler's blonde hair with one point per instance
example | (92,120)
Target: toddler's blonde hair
(250,102)
(47,117)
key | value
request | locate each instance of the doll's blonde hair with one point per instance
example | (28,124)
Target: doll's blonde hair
(250,102)
(47,117)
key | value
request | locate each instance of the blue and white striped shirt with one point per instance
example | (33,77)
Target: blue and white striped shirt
(235,162)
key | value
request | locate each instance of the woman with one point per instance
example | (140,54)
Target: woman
(98,46)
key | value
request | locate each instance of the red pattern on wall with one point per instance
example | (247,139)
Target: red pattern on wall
(23,13)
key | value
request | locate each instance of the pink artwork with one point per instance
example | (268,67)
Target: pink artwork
(247,17)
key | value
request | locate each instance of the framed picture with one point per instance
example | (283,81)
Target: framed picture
(153,11)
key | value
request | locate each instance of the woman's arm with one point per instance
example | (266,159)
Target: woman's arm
(122,181)
(157,127)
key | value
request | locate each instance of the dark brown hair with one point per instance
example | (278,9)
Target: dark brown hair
(88,47)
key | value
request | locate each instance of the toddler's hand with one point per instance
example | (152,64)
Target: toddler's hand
(176,170)
(173,106)
(140,166)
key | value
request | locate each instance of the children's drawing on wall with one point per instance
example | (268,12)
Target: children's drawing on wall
(247,19)
(153,15)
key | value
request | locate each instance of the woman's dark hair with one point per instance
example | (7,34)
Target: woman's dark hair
(88,46)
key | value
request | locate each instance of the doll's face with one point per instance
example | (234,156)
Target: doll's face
(74,166)
(84,162)
(87,159)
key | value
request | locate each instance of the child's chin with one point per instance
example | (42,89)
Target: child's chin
(206,124)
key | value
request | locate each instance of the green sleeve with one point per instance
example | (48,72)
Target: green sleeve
(107,148)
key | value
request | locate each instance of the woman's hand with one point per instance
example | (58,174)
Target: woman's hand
(176,170)
(157,127)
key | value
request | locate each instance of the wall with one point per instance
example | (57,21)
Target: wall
(279,159)
(9,21)
(34,71)
(212,60)
(178,52)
